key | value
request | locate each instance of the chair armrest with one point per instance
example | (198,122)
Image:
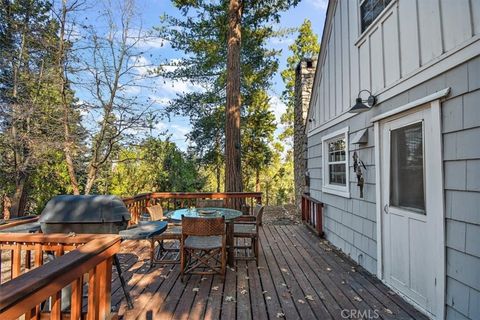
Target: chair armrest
(247,222)
(245,218)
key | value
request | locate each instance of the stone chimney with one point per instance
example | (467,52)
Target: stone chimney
(304,76)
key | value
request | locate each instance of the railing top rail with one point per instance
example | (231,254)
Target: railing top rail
(194,195)
(312,199)
(49,278)
(18,222)
(47,238)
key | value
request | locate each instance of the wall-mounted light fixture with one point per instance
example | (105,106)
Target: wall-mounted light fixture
(360,105)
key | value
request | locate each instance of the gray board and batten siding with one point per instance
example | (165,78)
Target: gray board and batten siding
(428,55)
(350,224)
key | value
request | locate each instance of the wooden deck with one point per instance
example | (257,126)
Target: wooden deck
(298,276)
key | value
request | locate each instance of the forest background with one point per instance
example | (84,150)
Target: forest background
(73,119)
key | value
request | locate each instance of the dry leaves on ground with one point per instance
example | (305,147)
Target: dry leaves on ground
(388,311)
(309,297)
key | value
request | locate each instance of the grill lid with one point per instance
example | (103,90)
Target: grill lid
(84,209)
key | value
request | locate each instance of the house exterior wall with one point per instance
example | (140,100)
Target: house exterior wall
(436,47)
(407,37)
(350,223)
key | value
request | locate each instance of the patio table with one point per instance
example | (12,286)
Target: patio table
(229,214)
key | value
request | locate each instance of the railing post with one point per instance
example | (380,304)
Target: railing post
(76,304)
(319,222)
(302,206)
(105,288)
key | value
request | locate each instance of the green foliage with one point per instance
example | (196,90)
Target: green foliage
(257,138)
(201,34)
(154,165)
(49,179)
(306,45)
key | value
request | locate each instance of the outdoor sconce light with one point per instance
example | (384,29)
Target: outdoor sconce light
(360,106)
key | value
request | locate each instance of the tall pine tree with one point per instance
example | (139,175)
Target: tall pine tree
(225,55)
(306,45)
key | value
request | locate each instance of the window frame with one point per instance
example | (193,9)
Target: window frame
(375,22)
(327,187)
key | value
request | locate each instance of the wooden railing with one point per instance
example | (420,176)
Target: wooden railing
(312,213)
(27,283)
(16,222)
(175,200)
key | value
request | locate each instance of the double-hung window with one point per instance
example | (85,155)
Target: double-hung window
(335,163)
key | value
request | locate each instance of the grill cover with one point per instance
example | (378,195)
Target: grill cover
(84,214)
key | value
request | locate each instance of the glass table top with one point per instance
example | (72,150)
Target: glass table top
(229,214)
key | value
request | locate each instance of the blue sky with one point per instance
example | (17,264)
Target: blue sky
(161,90)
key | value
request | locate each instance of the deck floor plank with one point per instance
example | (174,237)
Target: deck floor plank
(307,302)
(361,280)
(280,285)
(338,282)
(325,287)
(293,264)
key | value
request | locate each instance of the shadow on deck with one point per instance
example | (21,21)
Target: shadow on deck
(298,276)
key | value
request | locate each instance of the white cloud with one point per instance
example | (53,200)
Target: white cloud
(159,100)
(278,107)
(152,43)
(319,4)
(180,131)
(282,41)
(143,66)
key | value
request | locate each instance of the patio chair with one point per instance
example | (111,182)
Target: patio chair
(247,227)
(173,233)
(203,246)
(205,203)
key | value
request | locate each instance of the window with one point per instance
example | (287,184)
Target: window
(335,163)
(407,168)
(369,11)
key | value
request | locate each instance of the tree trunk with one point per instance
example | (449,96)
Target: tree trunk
(6,204)
(218,170)
(267,193)
(67,144)
(233,169)
(19,198)
(257,180)
(91,177)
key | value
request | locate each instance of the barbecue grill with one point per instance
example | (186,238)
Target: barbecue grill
(84,214)
(96,214)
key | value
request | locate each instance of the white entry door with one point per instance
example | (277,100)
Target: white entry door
(410,230)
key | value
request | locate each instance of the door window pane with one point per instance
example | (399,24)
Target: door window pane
(407,168)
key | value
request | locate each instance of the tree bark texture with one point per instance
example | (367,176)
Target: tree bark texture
(233,170)
(67,144)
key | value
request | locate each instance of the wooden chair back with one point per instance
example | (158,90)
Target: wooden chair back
(205,203)
(192,226)
(258,213)
(156,212)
